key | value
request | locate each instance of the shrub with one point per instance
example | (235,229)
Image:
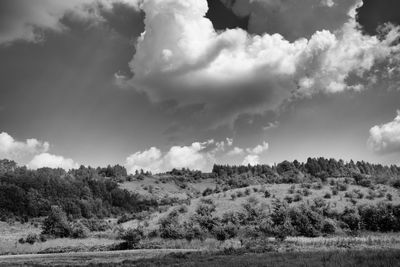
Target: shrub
(379,218)
(317,186)
(297,198)
(284,230)
(267,194)
(247,192)
(396,183)
(79,230)
(335,192)
(305,221)
(306,192)
(132,237)
(292,189)
(224,232)
(31,238)
(342,186)
(207,192)
(350,195)
(193,231)
(169,226)
(183,209)
(233,196)
(239,194)
(389,197)
(56,224)
(288,199)
(352,218)
(328,227)
(327,195)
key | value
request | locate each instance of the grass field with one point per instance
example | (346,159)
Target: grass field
(363,258)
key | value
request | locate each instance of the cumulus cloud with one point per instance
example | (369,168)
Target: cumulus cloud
(20,151)
(253,154)
(306,17)
(51,161)
(385,138)
(181,56)
(235,151)
(32,152)
(197,156)
(251,159)
(26,20)
(258,149)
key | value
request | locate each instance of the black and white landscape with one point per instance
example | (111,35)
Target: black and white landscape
(200,133)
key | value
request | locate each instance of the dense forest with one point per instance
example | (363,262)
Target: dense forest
(84,192)
(296,172)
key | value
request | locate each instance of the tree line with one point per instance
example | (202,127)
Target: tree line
(84,192)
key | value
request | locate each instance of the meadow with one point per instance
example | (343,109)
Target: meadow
(240,216)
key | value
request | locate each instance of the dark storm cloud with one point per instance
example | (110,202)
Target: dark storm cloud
(293,19)
(125,19)
(374,13)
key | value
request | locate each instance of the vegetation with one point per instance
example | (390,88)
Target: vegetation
(248,206)
(84,192)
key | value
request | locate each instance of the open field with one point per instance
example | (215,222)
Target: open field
(361,258)
(84,258)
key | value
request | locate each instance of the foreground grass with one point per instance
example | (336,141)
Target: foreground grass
(334,258)
(362,258)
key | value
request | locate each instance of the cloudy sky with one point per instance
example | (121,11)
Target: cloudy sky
(157,84)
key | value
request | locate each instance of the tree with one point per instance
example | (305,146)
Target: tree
(56,224)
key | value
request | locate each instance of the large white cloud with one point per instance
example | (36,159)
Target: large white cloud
(51,161)
(259,149)
(385,138)
(26,20)
(197,156)
(32,153)
(181,56)
(20,151)
(251,159)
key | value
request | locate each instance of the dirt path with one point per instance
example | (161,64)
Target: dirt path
(85,258)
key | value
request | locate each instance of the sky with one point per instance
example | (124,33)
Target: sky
(162,84)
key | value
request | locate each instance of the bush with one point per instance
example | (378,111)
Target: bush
(297,198)
(328,227)
(132,237)
(335,192)
(225,232)
(183,209)
(267,194)
(32,238)
(342,186)
(288,199)
(317,186)
(79,230)
(351,218)
(291,189)
(169,226)
(56,224)
(327,195)
(305,221)
(207,192)
(389,197)
(306,192)
(193,231)
(247,192)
